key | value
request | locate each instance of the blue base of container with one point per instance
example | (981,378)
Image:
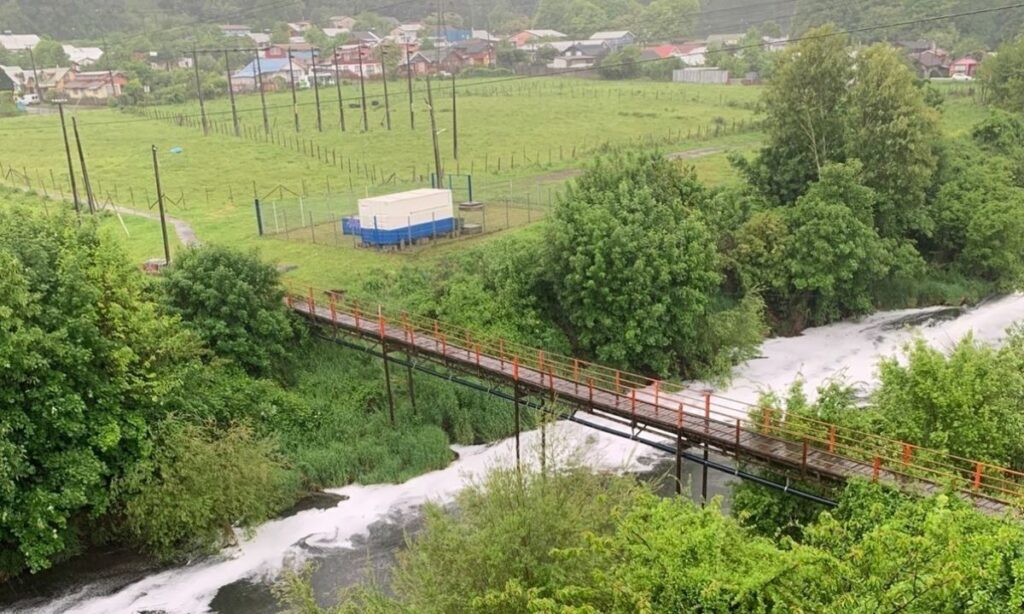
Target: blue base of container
(408,234)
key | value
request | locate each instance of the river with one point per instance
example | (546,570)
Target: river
(355,540)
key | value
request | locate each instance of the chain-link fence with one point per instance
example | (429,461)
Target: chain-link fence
(329,218)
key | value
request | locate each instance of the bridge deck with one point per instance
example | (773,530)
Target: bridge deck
(731,436)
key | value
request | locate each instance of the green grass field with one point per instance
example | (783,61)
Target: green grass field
(539,131)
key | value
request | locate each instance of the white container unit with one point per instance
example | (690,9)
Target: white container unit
(405,216)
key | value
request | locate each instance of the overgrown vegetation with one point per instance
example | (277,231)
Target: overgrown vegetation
(573,541)
(142,411)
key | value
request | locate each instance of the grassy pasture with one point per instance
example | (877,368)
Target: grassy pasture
(212,182)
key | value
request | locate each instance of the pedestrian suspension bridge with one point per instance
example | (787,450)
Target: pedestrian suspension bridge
(789,444)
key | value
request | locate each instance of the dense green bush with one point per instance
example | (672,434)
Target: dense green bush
(198,484)
(235,303)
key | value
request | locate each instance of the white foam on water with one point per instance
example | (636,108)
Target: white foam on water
(850,350)
(278,543)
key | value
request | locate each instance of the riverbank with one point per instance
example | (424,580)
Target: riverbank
(361,534)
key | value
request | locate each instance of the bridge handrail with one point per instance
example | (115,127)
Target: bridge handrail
(898,457)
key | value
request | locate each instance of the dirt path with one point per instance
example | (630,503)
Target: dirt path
(186,234)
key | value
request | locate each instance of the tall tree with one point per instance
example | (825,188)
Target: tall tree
(893,133)
(805,107)
(637,266)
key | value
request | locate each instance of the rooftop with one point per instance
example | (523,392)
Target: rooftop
(17,42)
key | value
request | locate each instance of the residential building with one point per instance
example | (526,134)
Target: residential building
(262,39)
(931,63)
(82,57)
(299,28)
(471,53)
(301,51)
(422,62)
(18,42)
(527,37)
(693,54)
(49,78)
(349,59)
(366,38)
(275,74)
(577,55)
(95,87)
(235,30)
(335,32)
(342,22)
(775,44)
(724,40)
(406,33)
(484,35)
(616,39)
(964,66)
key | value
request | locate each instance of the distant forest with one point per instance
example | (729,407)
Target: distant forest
(93,19)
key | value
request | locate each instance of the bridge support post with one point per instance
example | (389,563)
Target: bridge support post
(704,478)
(679,463)
(408,372)
(515,396)
(387,381)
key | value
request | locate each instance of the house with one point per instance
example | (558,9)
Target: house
(367,38)
(18,42)
(449,35)
(299,28)
(469,53)
(775,44)
(931,63)
(406,33)
(693,54)
(11,74)
(7,87)
(235,30)
(484,35)
(49,78)
(615,40)
(335,32)
(578,55)
(95,87)
(82,57)
(526,37)
(349,59)
(262,39)
(724,40)
(342,22)
(660,52)
(275,74)
(964,66)
(301,51)
(422,63)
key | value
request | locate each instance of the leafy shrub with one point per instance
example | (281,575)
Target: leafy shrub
(198,485)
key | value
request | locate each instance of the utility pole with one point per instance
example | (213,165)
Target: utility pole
(455,122)
(362,88)
(160,204)
(85,169)
(316,90)
(433,134)
(71,166)
(231,94)
(295,99)
(35,73)
(199,91)
(408,78)
(384,78)
(263,96)
(110,71)
(337,84)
